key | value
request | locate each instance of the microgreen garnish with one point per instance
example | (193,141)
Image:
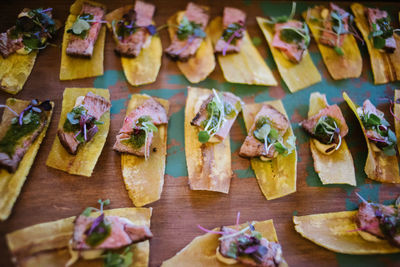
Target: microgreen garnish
(384,138)
(290,34)
(327,131)
(231,34)
(381,30)
(112,259)
(127,26)
(268,135)
(81,25)
(284,18)
(188,28)
(100,229)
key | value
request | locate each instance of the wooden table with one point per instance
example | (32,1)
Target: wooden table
(50,194)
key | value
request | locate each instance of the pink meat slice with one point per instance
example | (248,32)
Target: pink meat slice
(123,233)
(183,50)
(231,15)
(96,105)
(84,47)
(202,114)
(374,14)
(331,111)
(151,108)
(293,51)
(133,44)
(329,37)
(252,147)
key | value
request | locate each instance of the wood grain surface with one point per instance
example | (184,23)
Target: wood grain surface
(49,194)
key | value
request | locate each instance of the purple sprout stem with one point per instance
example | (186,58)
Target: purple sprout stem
(209,231)
(235,34)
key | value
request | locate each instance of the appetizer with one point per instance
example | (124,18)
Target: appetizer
(239,59)
(381,164)
(288,40)
(136,41)
(23,127)
(209,116)
(82,130)
(19,46)
(142,140)
(271,146)
(396,115)
(93,237)
(370,230)
(327,128)
(375,27)
(250,244)
(190,44)
(83,41)
(332,28)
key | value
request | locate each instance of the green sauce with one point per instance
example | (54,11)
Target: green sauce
(99,234)
(136,140)
(16,132)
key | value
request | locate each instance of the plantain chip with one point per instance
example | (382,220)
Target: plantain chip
(85,160)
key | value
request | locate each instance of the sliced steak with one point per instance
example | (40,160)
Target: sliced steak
(328,36)
(332,111)
(131,45)
(96,105)
(202,114)
(123,233)
(8,45)
(182,50)
(231,16)
(83,47)
(373,16)
(252,147)
(158,116)
(68,141)
(293,51)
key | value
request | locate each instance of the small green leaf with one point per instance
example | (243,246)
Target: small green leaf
(280,148)
(338,50)
(379,42)
(203,137)
(262,132)
(87,211)
(80,27)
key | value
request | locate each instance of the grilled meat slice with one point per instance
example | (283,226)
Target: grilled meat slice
(182,50)
(8,45)
(96,105)
(202,114)
(231,17)
(141,16)
(252,147)
(328,36)
(83,47)
(374,16)
(123,233)
(68,141)
(293,51)
(150,108)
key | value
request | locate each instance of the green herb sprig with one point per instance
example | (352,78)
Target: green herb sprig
(381,30)
(296,35)
(113,259)
(81,25)
(327,131)
(145,124)
(188,28)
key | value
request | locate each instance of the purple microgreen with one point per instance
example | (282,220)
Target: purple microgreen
(38,110)
(238,34)
(251,249)
(34,102)
(190,40)
(209,231)
(78,133)
(238,218)
(21,116)
(84,132)
(361,198)
(96,223)
(46,10)
(151,29)
(10,109)
(252,227)
(91,132)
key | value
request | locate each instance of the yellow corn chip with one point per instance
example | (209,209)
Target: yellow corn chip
(84,161)
(75,67)
(46,244)
(397,117)
(144,179)
(247,66)
(296,76)
(336,168)
(378,166)
(277,177)
(209,165)
(336,231)
(11,183)
(144,68)
(198,67)
(348,65)
(385,66)
(14,71)
(202,250)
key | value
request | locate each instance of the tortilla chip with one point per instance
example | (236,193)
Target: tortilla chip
(46,244)
(378,166)
(336,231)
(198,67)
(337,168)
(385,66)
(397,117)
(11,183)
(348,65)
(202,250)
(277,177)
(144,179)
(84,161)
(247,66)
(144,68)
(14,71)
(296,76)
(204,173)
(76,67)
